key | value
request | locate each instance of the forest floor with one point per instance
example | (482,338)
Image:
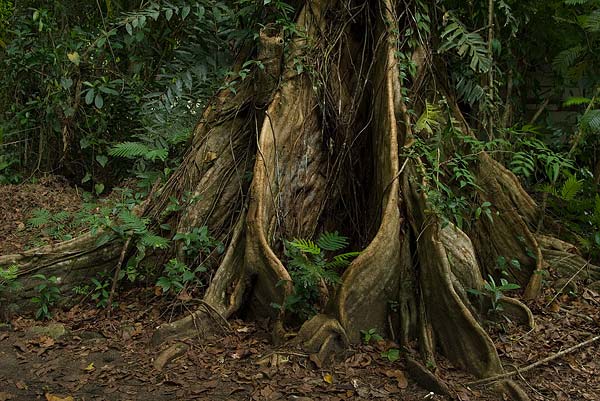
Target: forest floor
(84,354)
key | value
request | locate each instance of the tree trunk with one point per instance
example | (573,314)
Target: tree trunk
(327,147)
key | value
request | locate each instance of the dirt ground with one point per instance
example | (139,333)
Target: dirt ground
(83,354)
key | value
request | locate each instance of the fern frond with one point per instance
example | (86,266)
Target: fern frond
(342,260)
(154,241)
(576,101)
(471,44)
(332,241)
(570,188)
(129,150)
(468,88)
(522,164)
(131,222)
(40,217)
(154,154)
(590,22)
(567,58)
(575,2)
(430,120)
(590,121)
(596,216)
(306,246)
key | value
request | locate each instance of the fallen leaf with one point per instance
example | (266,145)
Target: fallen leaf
(21,385)
(209,157)
(399,376)
(90,367)
(74,58)
(5,396)
(327,378)
(46,341)
(52,397)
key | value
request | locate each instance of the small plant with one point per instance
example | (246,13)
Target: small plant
(309,266)
(8,278)
(495,292)
(101,292)
(197,242)
(371,334)
(392,354)
(55,226)
(177,276)
(48,294)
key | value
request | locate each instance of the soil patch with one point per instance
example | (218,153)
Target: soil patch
(17,202)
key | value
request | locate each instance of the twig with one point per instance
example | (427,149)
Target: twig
(535,364)
(143,208)
(539,111)
(567,283)
(115,279)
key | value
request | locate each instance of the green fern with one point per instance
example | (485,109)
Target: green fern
(567,58)
(570,188)
(466,44)
(591,22)
(133,223)
(590,122)
(596,215)
(342,260)
(305,246)
(469,88)
(430,120)
(40,218)
(332,241)
(133,150)
(154,241)
(576,101)
(522,164)
(576,2)
(308,266)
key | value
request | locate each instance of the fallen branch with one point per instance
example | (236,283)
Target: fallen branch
(533,365)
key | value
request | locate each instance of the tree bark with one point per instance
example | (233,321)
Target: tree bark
(317,140)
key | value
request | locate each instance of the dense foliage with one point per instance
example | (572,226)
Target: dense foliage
(100,92)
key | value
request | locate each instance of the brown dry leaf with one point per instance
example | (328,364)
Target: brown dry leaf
(209,157)
(21,385)
(46,342)
(359,361)
(555,307)
(327,378)
(5,396)
(52,397)
(184,296)
(399,376)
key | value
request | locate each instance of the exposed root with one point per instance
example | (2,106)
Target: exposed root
(518,311)
(322,336)
(426,379)
(72,262)
(174,351)
(204,321)
(508,235)
(372,279)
